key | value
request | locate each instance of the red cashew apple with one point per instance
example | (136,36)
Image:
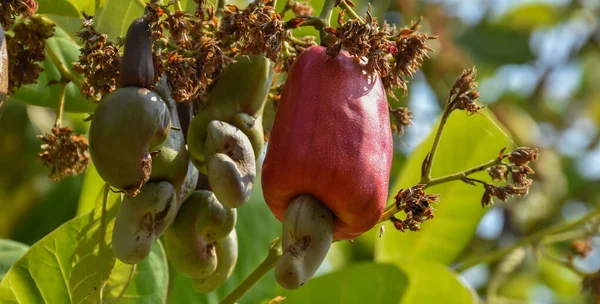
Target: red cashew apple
(331,139)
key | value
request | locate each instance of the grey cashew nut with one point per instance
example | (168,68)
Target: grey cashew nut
(227,254)
(231,164)
(307,235)
(142,220)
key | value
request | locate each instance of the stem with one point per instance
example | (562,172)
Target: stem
(61,103)
(531,239)
(327,11)
(64,71)
(177,6)
(350,12)
(564,263)
(426,175)
(267,264)
(463,174)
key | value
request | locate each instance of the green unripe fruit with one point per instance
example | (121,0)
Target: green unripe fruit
(142,220)
(227,254)
(242,88)
(214,221)
(137,66)
(127,126)
(171,163)
(231,166)
(307,235)
(188,250)
(189,184)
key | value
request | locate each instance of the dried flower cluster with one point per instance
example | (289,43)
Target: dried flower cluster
(67,154)
(300,8)
(580,248)
(11,9)
(519,170)
(592,283)
(416,204)
(26,49)
(195,59)
(98,61)
(258,29)
(463,94)
(394,55)
(402,119)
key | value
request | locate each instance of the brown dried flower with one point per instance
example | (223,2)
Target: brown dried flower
(592,283)
(581,248)
(26,49)
(402,119)
(11,9)
(416,204)
(67,154)
(498,173)
(519,175)
(300,8)
(98,61)
(179,26)
(258,29)
(524,155)
(182,76)
(463,94)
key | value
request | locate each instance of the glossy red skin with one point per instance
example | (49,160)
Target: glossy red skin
(332,139)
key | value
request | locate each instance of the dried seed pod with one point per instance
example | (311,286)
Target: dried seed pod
(137,67)
(127,126)
(3,71)
(307,235)
(227,254)
(142,220)
(171,163)
(231,163)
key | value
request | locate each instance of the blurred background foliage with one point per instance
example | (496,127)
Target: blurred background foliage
(538,67)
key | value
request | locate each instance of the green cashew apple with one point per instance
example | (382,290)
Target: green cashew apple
(307,235)
(128,125)
(142,220)
(231,164)
(227,254)
(137,66)
(242,89)
(171,163)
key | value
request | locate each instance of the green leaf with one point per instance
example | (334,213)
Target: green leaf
(68,7)
(149,283)
(10,252)
(256,228)
(432,282)
(92,184)
(70,264)
(42,94)
(115,16)
(496,45)
(359,283)
(530,16)
(467,141)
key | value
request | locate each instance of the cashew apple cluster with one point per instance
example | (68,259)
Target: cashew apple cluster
(327,165)
(138,148)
